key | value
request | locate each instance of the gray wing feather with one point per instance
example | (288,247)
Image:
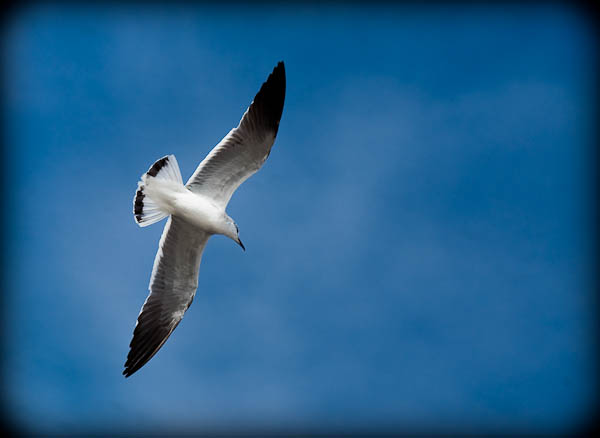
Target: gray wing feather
(172,288)
(244,150)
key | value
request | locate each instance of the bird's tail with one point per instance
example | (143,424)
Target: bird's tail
(145,209)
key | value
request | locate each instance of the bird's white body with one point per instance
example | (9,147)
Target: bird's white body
(196,209)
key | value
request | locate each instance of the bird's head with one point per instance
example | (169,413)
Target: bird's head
(233,232)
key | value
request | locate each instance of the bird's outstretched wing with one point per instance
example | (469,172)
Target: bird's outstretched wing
(244,150)
(172,288)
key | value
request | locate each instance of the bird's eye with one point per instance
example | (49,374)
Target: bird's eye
(237,230)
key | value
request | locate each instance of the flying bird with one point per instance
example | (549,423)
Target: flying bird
(196,211)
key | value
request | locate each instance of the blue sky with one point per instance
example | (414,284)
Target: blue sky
(418,243)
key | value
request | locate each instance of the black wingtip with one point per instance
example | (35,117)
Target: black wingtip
(270,98)
(129,369)
(277,78)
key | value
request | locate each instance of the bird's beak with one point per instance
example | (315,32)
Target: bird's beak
(241,244)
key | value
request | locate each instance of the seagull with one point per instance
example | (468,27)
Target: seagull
(196,211)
